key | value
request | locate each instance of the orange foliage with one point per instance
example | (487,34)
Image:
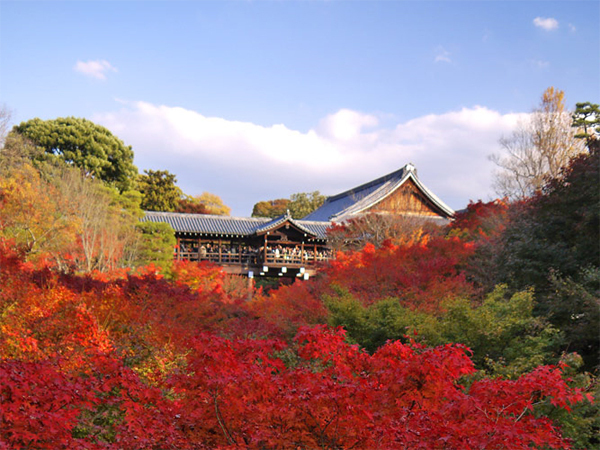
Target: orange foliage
(200,276)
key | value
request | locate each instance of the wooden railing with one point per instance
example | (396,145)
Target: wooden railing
(294,260)
(247,259)
(220,258)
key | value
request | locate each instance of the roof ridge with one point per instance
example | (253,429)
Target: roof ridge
(376,195)
(370,183)
(209,216)
(312,221)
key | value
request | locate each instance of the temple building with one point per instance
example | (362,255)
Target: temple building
(249,246)
(290,247)
(400,193)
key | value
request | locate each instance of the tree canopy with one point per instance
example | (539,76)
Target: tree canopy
(159,191)
(299,205)
(145,363)
(303,203)
(156,244)
(84,144)
(552,245)
(213,204)
(538,148)
(190,205)
(271,208)
(586,118)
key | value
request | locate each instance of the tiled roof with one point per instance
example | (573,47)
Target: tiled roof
(273,223)
(312,228)
(315,228)
(335,209)
(231,226)
(353,201)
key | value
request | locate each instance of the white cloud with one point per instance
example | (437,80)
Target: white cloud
(245,163)
(442,55)
(95,69)
(572,28)
(345,124)
(547,23)
(540,64)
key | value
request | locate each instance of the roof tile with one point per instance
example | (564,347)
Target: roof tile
(225,225)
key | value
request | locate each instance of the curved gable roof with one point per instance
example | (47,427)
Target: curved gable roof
(279,221)
(356,200)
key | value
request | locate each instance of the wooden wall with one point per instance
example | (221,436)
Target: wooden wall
(407,199)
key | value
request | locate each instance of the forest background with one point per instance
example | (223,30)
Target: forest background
(482,334)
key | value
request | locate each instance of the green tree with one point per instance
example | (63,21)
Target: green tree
(18,151)
(159,191)
(299,205)
(271,208)
(558,230)
(84,144)
(156,244)
(503,333)
(586,119)
(552,246)
(303,203)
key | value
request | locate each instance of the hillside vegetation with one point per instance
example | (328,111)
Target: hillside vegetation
(480,335)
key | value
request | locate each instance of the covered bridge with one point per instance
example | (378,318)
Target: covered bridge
(289,247)
(242,245)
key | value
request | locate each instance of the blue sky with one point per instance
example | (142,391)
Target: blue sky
(254,100)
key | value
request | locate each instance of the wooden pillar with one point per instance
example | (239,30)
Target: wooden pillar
(265,250)
(302,253)
(220,243)
(178,250)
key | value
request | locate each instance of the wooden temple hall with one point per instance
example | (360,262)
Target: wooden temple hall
(251,246)
(290,247)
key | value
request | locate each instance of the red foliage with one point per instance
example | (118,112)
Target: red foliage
(40,405)
(199,276)
(332,395)
(192,207)
(481,220)
(289,308)
(484,225)
(142,363)
(421,275)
